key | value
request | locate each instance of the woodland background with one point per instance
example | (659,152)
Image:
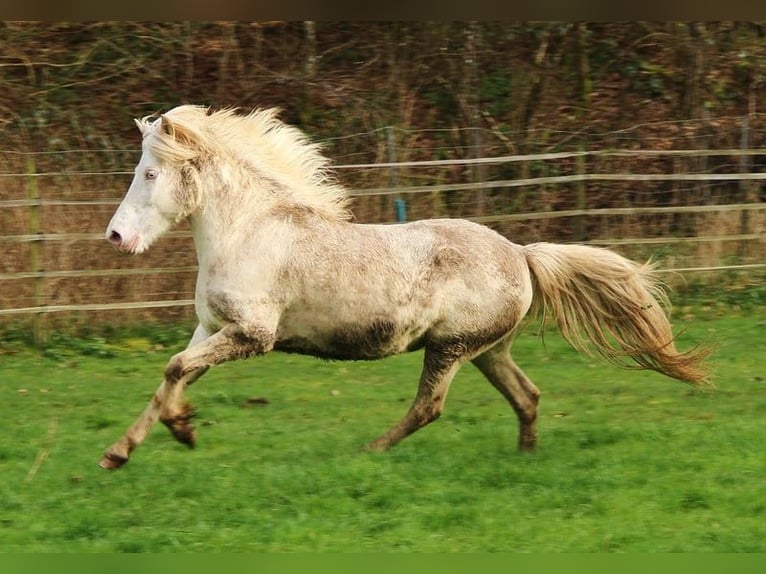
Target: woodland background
(73,85)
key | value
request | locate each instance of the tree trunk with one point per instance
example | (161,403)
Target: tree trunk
(470,103)
(309,69)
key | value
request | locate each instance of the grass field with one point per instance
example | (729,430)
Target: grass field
(628,461)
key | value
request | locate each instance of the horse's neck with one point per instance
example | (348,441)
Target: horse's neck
(214,227)
(233,216)
(220,228)
(204,238)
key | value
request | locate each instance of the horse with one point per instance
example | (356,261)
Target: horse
(282,266)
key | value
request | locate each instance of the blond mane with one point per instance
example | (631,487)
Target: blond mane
(275,150)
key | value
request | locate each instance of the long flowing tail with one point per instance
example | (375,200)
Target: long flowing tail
(599,297)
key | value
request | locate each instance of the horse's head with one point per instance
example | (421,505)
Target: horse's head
(164,189)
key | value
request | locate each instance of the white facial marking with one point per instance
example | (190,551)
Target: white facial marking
(148,209)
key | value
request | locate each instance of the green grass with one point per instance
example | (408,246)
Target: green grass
(628,461)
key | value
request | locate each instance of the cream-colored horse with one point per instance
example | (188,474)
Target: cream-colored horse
(281,267)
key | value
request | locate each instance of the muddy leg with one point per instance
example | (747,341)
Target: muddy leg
(439,369)
(117,454)
(229,343)
(175,413)
(186,367)
(496,364)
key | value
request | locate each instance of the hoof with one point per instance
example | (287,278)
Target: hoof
(185,435)
(112,461)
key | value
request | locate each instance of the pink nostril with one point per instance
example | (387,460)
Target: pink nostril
(115,238)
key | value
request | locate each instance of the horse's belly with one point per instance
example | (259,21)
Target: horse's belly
(359,341)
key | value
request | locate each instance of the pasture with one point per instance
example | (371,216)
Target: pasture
(627,461)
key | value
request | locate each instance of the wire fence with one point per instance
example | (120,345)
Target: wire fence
(693,210)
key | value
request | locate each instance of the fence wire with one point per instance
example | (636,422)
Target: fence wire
(694,210)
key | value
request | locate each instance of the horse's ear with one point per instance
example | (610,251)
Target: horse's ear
(182,133)
(166,125)
(142,127)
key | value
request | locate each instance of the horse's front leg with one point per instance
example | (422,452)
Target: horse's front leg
(117,454)
(231,342)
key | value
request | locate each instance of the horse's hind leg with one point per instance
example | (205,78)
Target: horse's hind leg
(496,364)
(439,368)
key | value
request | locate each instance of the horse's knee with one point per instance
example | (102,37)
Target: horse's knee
(526,405)
(174,370)
(526,413)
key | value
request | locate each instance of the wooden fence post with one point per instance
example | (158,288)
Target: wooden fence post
(39,327)
(748,190)
(479,170)
(580,202)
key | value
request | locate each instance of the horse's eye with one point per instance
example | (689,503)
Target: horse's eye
(151,174)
